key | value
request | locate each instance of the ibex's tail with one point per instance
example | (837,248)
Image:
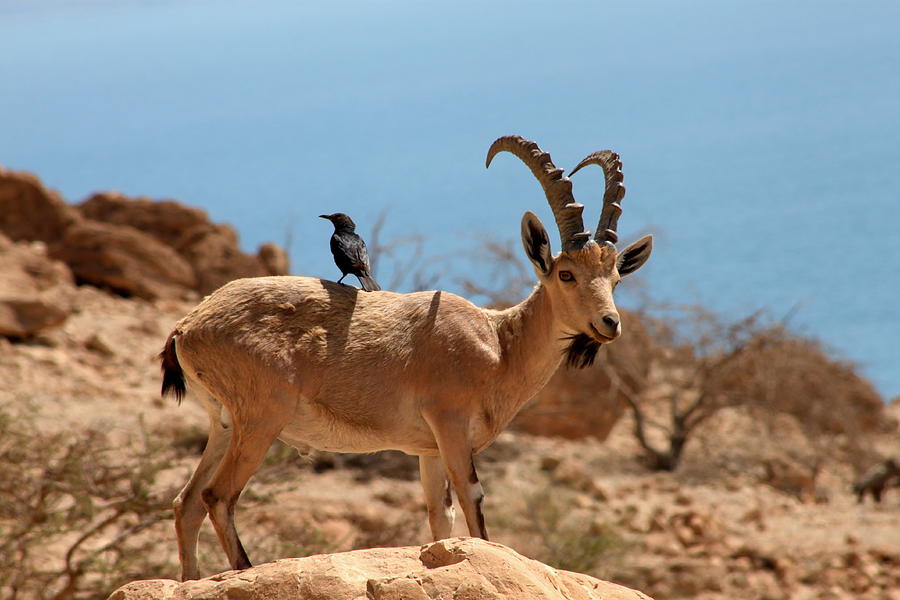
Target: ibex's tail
(173,376)
(368,283)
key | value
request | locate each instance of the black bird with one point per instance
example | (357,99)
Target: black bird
(349,251)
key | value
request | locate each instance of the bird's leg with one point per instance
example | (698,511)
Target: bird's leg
(342,277)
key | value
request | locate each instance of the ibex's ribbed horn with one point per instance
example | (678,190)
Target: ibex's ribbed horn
(615,191)
(557,188)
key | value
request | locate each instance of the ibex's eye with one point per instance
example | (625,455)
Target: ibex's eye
(566,276)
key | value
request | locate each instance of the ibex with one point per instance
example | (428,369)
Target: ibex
(322,365)
(876,480)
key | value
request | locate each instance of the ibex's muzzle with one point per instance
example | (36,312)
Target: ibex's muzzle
(607,328)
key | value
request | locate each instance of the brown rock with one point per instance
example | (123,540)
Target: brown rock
(694,527)
(214,253)
(132,246)
(574,474)
(35,291)
(212,250)
(166,220)
(29,211)
(274,260)
(462,568)
(549,463)
(98,344)
(123,260)
(792,477)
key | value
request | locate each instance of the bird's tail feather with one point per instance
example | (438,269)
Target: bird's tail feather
(368,283)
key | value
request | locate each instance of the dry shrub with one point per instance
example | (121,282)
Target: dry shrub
(794,375)
(698,364)
(556,532)
(71,506)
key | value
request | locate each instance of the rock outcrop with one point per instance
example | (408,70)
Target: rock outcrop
(123,260)
(166,220)
(464,568)
(29,211)
(212,250)
(35,290)
(132,246)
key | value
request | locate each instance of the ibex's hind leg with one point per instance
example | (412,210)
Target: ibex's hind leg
(246,450)
(437,496)
(456,452)
(188,506)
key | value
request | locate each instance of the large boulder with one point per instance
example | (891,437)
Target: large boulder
(214,253)
(35,291)
(274,259)
(166,220)
(123,260)
(29,211)
(463,568)
(212,250)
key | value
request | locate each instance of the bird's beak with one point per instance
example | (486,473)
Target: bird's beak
(325,217)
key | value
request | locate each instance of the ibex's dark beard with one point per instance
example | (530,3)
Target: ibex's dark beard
(581,351)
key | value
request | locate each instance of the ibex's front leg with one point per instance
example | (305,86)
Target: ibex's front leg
(437,496)
(451,434)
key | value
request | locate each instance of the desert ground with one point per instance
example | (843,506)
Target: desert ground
(92,457)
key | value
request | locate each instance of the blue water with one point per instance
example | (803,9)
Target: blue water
(761,140)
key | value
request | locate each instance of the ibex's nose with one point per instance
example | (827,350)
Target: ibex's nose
(611,325)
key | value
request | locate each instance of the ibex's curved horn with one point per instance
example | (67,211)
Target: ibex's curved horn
(615,191)
(557,187)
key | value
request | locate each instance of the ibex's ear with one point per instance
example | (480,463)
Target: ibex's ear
(634,256)
(536,242)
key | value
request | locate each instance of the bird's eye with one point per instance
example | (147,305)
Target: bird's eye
(566,276)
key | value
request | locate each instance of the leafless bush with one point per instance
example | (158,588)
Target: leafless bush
(509,278)
(686,377)
(700,364)
(413,269)
(70,506)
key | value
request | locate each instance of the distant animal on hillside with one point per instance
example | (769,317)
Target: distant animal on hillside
(349,250)
(876,479)
(326,366)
